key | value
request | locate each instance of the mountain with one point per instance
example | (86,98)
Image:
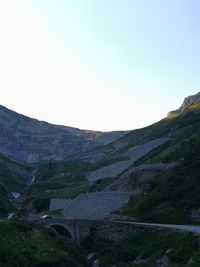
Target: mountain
(178,125)
(159,164)
(87,166)
(173,196)
(188,101)
(30,140)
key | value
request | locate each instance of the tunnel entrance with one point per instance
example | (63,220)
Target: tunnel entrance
(61,230)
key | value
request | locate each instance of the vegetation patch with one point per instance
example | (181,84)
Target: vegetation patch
(145,249)
(24,244)
(170,197)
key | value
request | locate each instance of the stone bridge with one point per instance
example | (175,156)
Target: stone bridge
(77,229)
(73,229)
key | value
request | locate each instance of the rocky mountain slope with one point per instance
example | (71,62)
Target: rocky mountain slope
(160,164)
(30,140)
(177,125)
(174,196)
(188,101)
(93,166)
(136,179)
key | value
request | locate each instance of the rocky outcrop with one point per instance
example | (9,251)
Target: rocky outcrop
(188,101)
(195,214)
(135,179)
(164,260)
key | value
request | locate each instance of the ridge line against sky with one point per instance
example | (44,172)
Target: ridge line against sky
(98,65)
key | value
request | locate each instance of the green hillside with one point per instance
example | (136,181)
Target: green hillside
(23,244)
(168,198)
(13,178)
(147,249)
(171,197)
(62,179)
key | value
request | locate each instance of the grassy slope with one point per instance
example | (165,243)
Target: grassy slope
(41,201)
(9,181)
(184,133)
(9,177)
(177,126)
(23,244)
(5,204)
(170,198)
(67,177)
(74,172)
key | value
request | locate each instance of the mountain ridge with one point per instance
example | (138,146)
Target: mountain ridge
(188,101)
(67,160)
(30,140)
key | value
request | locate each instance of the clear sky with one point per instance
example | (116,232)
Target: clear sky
(98,64)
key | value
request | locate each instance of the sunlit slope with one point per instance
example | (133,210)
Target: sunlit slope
(172,197)
(178,125)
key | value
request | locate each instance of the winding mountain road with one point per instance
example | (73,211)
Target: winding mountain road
(195,229)
(183,228)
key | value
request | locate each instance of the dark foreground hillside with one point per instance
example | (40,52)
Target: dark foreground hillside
(148,249)
(27,245)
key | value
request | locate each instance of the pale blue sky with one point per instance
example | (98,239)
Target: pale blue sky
(99,64)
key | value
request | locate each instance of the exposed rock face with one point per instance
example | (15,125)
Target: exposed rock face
(195,214)
(30,140)
(164,260)
(188,101)
(116,230)
(136,179)
(110,171)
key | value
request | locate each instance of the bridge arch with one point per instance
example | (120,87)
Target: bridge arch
(62,230)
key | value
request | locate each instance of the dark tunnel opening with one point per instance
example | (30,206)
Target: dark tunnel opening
(61,230)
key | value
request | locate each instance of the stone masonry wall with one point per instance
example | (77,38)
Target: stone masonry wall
(96,205)
(59,203)
(133,154)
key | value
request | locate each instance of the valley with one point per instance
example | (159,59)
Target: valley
(149,175)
